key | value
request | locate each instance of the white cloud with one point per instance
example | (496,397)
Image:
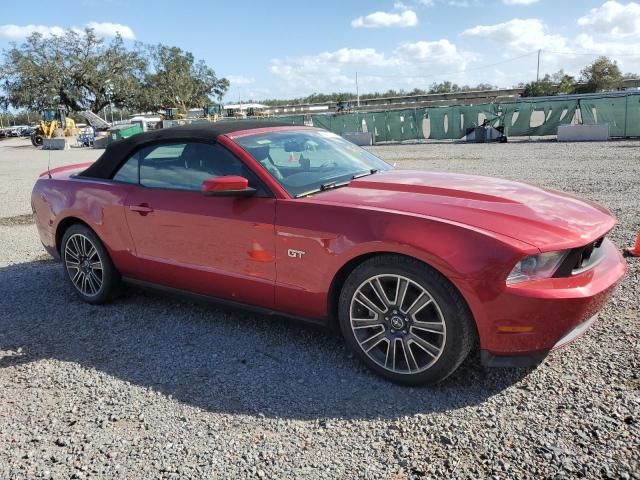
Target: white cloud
(425,3)
(102,29)
(613,18)
(240,79)
(405,18)
(587,43)
(441,52)
(409,65)
(518,35)
(15,32)
(327,67)
(463,3)
(519,2)
(106,29)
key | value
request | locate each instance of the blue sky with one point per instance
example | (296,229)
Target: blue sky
(291,48)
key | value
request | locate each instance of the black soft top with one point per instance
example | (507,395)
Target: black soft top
(117,152)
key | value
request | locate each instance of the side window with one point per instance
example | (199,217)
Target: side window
(128,172)
(184,166)
(162,166)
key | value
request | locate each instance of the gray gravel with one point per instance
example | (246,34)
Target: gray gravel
(154,387)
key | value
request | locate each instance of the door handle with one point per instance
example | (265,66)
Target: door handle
(143,209)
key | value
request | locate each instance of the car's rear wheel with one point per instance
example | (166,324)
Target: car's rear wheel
(87,265)
(405,320)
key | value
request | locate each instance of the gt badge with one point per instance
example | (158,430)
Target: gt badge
(295,253)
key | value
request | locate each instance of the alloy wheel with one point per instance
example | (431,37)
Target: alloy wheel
(84,265)
(397,323)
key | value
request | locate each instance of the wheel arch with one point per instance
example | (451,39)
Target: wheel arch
(65,224)
(343,273)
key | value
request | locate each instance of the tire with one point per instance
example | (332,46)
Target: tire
(419,337)
(37,140)
(95,278)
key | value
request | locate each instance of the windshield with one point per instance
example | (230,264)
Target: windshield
(306,161)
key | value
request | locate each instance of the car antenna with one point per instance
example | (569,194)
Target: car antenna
(49,165)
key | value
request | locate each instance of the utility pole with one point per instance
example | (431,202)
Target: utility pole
(357,90)
(538,73)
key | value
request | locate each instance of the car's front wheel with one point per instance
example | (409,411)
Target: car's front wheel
(87,265)
(405,320)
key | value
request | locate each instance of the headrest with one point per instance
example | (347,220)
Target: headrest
(194,154)
(259,153)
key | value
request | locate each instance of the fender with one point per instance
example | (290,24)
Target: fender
(333,236)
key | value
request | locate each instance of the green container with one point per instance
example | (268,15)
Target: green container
(119,132)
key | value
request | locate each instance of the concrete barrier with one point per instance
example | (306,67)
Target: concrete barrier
(362,139)
(583,133)
(55,144)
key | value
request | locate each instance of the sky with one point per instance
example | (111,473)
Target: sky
(292,48)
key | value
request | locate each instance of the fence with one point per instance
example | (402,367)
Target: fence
(527,117)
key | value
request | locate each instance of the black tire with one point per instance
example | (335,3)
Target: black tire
(458,324)
(37,140)
(109,276)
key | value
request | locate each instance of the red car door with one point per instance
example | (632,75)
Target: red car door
(218,246)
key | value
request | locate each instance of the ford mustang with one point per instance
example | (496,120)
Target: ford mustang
(415,268)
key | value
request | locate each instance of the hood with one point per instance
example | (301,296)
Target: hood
(544,218)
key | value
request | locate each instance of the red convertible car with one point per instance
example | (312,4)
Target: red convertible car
(416,268)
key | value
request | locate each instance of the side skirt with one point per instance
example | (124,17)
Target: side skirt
(230,304)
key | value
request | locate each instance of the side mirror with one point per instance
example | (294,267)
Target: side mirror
(227,186)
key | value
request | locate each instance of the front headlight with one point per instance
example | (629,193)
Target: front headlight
(535,267)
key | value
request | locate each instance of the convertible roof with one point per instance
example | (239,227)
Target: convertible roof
(117,152)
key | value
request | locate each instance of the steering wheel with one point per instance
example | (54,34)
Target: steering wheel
(328,164)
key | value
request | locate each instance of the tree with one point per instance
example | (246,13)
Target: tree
(444,87)
(482,86)
(557,84)
(603,74)
(178,81)
(75,70)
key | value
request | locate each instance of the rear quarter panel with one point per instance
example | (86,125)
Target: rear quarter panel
(98,204)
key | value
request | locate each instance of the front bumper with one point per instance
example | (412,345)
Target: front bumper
(528,320)
(535,358)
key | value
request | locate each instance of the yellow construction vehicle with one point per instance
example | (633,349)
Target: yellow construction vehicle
(172,114)
(54,122)
(213,113)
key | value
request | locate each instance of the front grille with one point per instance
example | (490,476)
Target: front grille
(581,259)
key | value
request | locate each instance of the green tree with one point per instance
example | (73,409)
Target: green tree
(178,81)
(444,87)
(603,74)
(557,84)
(482,86)
(76,70)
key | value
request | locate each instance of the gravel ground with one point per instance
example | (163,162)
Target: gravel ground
(154,387)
